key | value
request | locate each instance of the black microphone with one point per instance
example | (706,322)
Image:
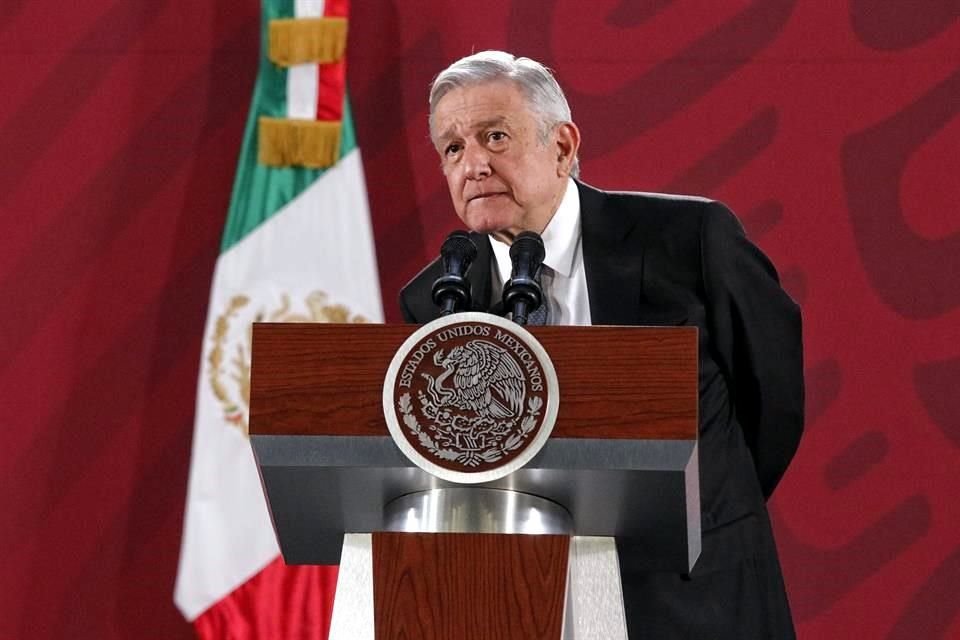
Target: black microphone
(522,292)
(451,291)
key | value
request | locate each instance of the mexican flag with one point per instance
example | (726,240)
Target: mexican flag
(297,247)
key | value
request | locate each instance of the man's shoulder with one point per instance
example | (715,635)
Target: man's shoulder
(642,200)
(416,298)
(655,198)
(647,208)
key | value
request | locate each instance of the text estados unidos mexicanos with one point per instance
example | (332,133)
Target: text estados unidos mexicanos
(530,363)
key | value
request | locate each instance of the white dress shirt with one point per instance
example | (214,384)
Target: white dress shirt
(563,279)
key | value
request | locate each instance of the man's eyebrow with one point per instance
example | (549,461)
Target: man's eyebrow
(491,122)
(446,135)
(479,126)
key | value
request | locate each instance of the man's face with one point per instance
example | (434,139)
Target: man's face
(502,177)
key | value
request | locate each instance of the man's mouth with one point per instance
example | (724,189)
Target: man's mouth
(484,196)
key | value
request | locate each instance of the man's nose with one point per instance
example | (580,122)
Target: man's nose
(476,161)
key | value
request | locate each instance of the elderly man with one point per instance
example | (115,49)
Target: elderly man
(508,149)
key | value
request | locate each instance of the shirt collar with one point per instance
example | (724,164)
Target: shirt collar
(560,238)
(563,231)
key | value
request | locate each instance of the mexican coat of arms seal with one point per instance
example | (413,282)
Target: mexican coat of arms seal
(470,397)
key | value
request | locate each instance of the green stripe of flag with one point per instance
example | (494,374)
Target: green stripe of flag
(259,191)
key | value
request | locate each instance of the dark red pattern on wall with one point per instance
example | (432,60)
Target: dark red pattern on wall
(831,128)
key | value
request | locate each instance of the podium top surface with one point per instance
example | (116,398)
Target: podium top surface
(615,382)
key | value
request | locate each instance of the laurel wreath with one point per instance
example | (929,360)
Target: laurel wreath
(234,409)
(470,459)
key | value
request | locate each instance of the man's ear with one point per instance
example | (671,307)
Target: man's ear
(568,143)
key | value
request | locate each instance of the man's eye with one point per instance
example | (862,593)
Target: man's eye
(452,149)
(496,136)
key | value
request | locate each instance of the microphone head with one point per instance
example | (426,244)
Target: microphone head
(451,291)
(522,292)
(458,253)
(527,254)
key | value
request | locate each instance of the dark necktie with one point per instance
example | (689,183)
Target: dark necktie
(541,315)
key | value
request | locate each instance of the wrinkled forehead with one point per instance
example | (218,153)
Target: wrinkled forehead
(466,109)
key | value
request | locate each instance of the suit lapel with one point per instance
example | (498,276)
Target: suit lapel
(612,258)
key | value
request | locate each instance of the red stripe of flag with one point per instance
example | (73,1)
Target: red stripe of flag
(332,78)
(281,601)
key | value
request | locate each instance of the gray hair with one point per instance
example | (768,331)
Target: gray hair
(535,81)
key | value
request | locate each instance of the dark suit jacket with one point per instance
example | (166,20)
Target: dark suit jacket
(654,259)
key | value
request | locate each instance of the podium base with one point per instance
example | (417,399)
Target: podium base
(593,605)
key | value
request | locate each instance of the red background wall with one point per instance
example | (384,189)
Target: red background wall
(831,128)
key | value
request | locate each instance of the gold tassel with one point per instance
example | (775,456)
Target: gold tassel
(307,40)
(302,143)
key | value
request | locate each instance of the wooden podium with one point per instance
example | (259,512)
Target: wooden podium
(621,462)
